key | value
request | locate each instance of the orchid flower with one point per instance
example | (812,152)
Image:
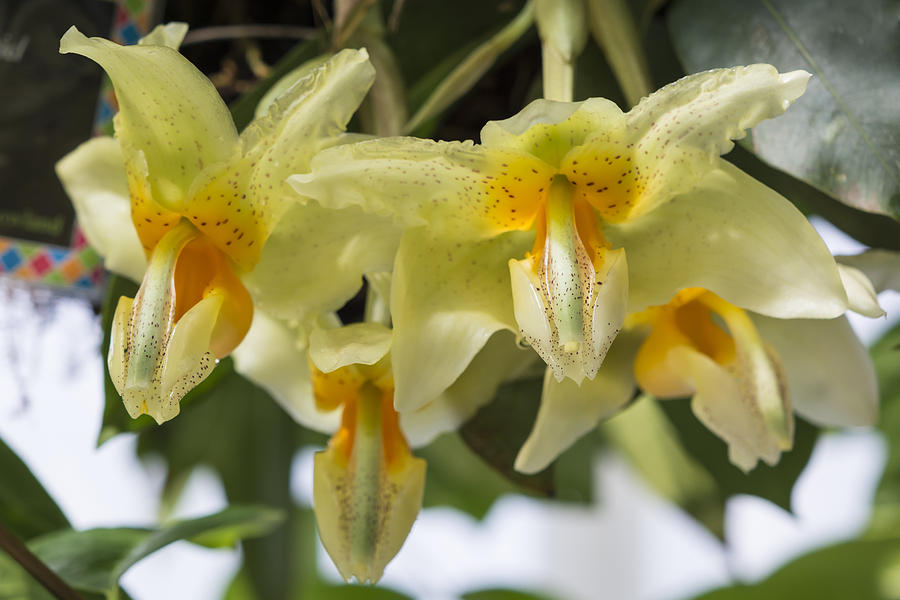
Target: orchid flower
(181,202)
(367,485)
(567,217)
(747,373)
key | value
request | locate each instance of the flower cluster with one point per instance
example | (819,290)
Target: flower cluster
(618,248)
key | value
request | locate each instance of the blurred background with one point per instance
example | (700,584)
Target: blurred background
(645,508)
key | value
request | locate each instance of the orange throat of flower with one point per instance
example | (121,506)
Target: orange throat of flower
(190,310)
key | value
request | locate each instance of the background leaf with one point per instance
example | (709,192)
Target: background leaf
(861,570)
(93,560)
(843,135)
(26,509)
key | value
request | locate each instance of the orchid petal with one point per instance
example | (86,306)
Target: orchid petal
(168,111)
(829,372)
(548,130)
(861,295)
(273,356)
(569,410)
(680,130)
(315,258)
(499,360)
(882,267)
(447,300)
(738,238)
(358,343)
(94,178)
(304,119)
(720,405)
(367,488)
(460,190)
(170,35)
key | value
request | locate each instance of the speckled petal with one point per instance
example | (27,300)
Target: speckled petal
(447,300)
(460,190)
(678,131)
(93,176)
(736,237)
(550,130)
(168,111)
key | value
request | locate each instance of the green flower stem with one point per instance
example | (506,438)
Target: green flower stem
(558,75)
(35,567)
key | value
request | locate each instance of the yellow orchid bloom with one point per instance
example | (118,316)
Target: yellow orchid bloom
(367,486)
(745,371)
(181,202)
(567,217)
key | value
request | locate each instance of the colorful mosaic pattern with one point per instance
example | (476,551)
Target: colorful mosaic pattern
(77,266)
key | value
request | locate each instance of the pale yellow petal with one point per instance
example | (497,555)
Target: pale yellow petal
(447,300)
(736,237)
(499,360)
(273,356)
(861,295)
(569,410)
(357,343)
(168,111)
(460,190)
(168,34)
(93,176)
(678,131)
(315,258)
(882,267)
(829,372)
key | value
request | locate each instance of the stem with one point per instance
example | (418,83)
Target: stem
(558,75)
(230,32)
(35,567)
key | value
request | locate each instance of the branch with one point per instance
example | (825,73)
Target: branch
(35,567)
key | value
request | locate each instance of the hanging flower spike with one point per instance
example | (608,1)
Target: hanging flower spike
(583,213)
(202,202)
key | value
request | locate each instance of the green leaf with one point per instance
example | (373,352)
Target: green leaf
(242,434)
(843,135)
(877,231)
(472,68)
(886,358)
(861,570)
(93,560)
(26,509)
